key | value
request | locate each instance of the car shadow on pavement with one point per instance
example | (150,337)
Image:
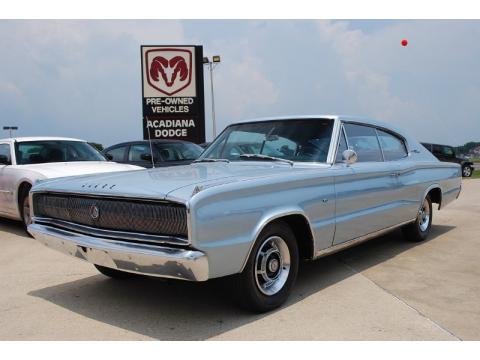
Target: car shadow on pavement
(12,226)
(178,310)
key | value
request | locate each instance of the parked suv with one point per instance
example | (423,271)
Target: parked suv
(447,153)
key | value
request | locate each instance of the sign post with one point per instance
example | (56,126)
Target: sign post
(172,93)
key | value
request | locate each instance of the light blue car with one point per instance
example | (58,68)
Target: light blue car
(264,195)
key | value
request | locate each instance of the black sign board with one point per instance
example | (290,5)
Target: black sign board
(172,92)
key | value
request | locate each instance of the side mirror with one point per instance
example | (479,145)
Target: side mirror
(349,157)
(109,157)
(4,160)
(146,157)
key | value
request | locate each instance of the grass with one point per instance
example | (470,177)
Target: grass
(476,174)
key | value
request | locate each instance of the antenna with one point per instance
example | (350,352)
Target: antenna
(150,143)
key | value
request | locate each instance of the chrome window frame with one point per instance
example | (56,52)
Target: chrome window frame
(374,127)
(399,137)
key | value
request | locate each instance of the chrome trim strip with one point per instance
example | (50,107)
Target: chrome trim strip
(334,139)
(335,248)
(111,234)
(184,264)
(101,195)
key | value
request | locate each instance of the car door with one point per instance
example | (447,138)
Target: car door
(6,185)
(117,153)
(365,194)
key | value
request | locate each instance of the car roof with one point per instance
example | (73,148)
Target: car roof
(39,138)
(349,118)
(154,141)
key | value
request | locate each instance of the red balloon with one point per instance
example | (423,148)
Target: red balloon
(404,42)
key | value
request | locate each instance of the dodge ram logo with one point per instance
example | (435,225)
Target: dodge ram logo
(94,212)
(168,70)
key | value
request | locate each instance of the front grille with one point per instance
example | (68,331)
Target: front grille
(156,218)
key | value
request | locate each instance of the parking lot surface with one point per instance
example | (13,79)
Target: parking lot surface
(385,289)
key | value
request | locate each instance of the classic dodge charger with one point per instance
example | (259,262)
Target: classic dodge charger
(263,196)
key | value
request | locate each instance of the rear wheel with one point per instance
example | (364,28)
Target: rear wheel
(419,230)
(113,273)
(467,171)
(271,270)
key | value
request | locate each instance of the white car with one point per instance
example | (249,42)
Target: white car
(25,161)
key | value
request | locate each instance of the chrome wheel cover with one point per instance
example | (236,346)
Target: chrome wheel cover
(272,265)
(467,171)
(424,216)
(26,212)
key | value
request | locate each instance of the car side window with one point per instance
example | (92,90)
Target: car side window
(136,151)
(363,140)
(117,154)
(448,151)
(5,152)
(342,146)
(393,147)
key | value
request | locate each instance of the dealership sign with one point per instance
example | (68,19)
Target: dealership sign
(172,93)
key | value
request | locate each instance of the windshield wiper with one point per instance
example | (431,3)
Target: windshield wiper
(265,157)
(211,160)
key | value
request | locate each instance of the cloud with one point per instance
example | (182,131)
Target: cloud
(82,78)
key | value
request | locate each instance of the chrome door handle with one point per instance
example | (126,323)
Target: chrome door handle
(394,174)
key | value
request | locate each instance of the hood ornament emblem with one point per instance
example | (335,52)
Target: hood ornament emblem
(94,212)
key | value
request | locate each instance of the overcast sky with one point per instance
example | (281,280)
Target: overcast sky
(82,78)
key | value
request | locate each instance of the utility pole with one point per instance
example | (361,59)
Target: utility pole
(211,65)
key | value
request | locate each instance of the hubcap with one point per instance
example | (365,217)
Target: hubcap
(26,211)
(467,171)
(272,265)
(424,216)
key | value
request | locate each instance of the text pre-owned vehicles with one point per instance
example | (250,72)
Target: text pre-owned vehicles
(24,161)
(165,153)
(447,153)
(264,195)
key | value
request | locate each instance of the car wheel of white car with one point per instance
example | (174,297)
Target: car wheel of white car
(419,230)
(24,206)
(271,270)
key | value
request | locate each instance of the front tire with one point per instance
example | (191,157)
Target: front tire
(271,270)
(467,171)
(24,206)
(418,231)
(113,273)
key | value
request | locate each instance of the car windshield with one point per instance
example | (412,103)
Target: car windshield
(48,151)
(178,151)
(304,140)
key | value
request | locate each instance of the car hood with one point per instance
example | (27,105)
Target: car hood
(160,182)
(62,169)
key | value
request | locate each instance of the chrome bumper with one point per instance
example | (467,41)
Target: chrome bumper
(126,256)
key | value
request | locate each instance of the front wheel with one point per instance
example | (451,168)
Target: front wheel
(419,230)
(24,205)
(271,270)
(467,171)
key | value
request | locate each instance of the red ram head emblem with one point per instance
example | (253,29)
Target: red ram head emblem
(168,70)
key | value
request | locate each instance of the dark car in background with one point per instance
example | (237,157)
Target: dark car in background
(165,153)
(447,153)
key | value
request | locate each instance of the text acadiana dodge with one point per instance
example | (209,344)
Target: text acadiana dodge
(169,128)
